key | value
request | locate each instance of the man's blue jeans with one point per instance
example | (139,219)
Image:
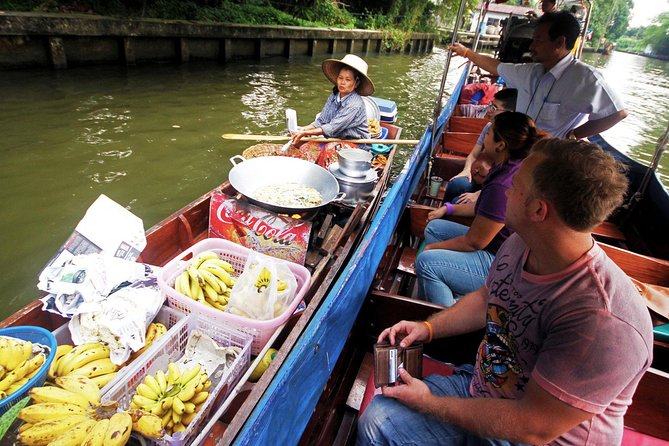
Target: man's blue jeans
(446,275)
(387,421)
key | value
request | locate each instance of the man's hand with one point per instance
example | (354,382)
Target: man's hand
(458,49)
(410,330)
(413,392)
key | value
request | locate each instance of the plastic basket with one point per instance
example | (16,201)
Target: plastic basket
(172,350)
(236,255)
(36,335)
(172,318)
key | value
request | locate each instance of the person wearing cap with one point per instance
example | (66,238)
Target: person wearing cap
(344,114)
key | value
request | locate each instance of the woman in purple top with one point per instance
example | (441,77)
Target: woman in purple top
(456,258)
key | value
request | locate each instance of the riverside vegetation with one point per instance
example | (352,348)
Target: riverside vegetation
(398,18)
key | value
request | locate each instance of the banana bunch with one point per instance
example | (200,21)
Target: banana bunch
(153,332)
(17,364)
(207,279)
(174,397)
(374,126)
(70,414)
(90,360)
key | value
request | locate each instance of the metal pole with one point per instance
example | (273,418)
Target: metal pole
(482,14)
(581,44)
(447,64)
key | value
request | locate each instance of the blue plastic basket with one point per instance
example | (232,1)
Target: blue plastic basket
(36,335)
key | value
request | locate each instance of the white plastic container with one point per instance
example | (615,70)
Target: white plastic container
(171,351)
(171,318)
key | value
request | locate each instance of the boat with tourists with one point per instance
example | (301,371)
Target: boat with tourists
(327,378)
(362,280)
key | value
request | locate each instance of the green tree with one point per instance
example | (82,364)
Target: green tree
(657,34)
(610,18)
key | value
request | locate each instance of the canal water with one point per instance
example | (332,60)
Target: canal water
(149,137)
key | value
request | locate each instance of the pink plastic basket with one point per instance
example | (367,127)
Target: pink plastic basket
(236,255)
(172,350)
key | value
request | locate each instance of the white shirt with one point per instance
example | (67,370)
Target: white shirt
(568,95)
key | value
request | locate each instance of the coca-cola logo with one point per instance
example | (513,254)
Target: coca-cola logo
(267,226)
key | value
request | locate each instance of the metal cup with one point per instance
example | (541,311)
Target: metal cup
(435,184)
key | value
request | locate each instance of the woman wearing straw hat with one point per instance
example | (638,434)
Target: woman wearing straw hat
(344,114)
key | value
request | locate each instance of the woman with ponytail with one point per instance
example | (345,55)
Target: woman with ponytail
(456,258)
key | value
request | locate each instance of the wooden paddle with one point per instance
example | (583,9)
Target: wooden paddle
(286,138)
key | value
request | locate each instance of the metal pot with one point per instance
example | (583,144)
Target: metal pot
(356,189)
(247,176)
(354,162)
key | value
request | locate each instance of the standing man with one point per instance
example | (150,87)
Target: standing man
(567,335)
(564,96)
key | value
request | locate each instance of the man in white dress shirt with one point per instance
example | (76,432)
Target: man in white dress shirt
(565,97)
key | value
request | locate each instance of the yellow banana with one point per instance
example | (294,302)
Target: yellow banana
(61,351)
(35,413)
(153,332)
(173,374)
(281,285)
(143,402)
(16,385)
(221,273)
(188,390)
(147,392)
(166,404)
(52,394)
(188,418)
(25,427)
(200,397)
(16,356)
(226,266)
(153,383)
(166,418)
(209,293)
(162,381)
(22,370)
(202,257)
(81,385)
(44,432)
(89,355)
(149,425)
(119,430)
(176,418)
(76,435)
(178,427)
(96,436)
(212,280)
(190,374)
(189,407)
(182,283)
(178,406)
(96,368)
(103,380)
(70,356)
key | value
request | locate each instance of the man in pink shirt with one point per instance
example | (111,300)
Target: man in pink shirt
(567,336)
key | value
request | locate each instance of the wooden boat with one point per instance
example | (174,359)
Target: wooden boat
(315,396)
(337,230)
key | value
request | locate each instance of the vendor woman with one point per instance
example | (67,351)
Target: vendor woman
(344,114)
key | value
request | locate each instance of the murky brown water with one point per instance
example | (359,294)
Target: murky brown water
(149,137)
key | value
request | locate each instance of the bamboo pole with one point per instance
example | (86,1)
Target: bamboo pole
(244,137)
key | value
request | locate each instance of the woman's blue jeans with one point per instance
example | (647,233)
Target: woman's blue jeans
(456,187)
(387,421)
(446,275)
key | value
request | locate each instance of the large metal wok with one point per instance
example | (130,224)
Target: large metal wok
(247,176)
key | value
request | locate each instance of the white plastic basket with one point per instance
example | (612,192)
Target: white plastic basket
(236,255)
(171,318)
(172,350)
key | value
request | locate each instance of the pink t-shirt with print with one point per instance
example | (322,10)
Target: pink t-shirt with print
(584,335)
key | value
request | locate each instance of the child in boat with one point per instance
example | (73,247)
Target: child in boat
(460,188)
(344,114)
(457,258)
(567,335)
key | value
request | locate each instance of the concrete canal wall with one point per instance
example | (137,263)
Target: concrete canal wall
(58,41)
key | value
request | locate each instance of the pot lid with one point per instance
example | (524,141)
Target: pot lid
(369,177)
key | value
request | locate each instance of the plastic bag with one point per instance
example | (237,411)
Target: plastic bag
(264,290)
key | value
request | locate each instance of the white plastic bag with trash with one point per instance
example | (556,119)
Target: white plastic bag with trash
(264,290)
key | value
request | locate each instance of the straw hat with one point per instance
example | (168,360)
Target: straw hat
(331,69)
